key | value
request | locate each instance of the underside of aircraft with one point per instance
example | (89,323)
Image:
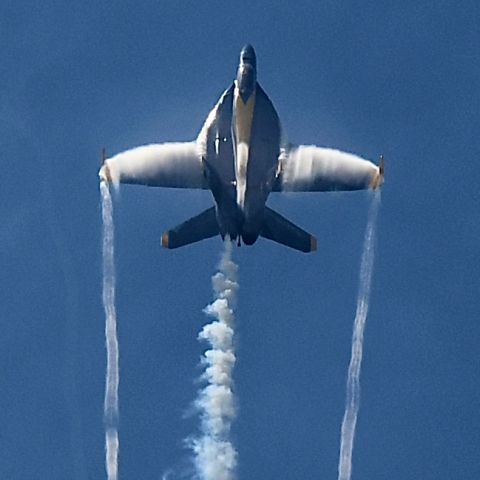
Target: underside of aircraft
(241,156)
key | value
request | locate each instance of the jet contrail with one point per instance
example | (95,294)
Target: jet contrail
(353,379)
(110,406)
(215,456)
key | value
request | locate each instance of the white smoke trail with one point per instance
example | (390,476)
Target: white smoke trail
(110,406)
(353,380)
(215,456)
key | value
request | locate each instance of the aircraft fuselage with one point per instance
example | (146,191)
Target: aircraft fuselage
(243,147)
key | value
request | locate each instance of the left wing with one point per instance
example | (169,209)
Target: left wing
(179,165)
(306,168)
(176,165)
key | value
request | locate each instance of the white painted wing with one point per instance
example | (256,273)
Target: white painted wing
(306,168)
(175,165)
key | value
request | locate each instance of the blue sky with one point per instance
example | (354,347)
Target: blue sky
(398,78)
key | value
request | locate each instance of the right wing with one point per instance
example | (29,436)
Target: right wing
(176,165)
(306,168)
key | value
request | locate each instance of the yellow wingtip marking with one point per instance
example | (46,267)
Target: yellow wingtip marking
(379,177)
(164,240)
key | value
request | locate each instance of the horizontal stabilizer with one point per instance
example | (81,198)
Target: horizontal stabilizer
(197,228)
(280,230)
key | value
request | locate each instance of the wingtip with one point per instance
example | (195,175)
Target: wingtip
(381,166)
(379,177)
(313,244)
(104,174)
(164,240)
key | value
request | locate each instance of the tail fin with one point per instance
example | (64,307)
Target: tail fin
(197,228)
(280,230)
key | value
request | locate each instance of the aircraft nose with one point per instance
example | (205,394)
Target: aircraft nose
(247,55)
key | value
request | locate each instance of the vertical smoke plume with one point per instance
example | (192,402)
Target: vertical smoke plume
(215,456)
(110,407)
(353,379)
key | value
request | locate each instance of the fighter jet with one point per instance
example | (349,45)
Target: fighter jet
(241,156)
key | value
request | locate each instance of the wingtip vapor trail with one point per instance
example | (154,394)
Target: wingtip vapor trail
(111,340)
(353,378)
